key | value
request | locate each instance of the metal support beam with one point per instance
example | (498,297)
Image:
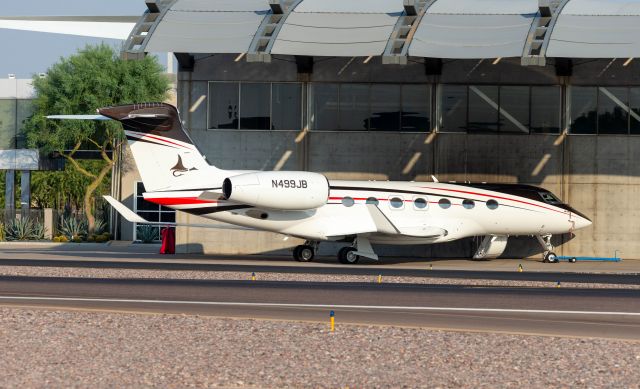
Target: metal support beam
(265,37)
(10,189)
(535,48)
(397,49)
(25,190)
(135,45)
(186,62)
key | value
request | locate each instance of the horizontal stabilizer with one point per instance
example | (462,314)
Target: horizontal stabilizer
(78,117)
(122,209)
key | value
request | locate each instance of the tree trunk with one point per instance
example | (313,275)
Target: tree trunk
(88,194)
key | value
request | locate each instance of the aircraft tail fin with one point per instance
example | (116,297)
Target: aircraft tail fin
(166,156)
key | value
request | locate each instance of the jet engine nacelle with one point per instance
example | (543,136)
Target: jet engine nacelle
(278,190)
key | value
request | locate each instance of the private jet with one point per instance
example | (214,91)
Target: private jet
(316,209)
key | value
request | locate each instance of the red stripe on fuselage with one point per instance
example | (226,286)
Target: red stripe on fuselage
(179,200)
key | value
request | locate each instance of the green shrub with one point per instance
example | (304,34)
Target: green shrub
(72,227)
(1,232)
(56,239)
(101,227)
(23,229)
(147,233)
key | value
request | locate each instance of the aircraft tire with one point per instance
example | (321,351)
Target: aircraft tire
(572,260)
(550,257)
(303,253)
(346,256)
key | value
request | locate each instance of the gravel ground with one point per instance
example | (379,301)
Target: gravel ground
(213,275)
(47,348)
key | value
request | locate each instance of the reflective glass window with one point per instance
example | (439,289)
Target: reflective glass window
(347,201)
(286,106)
(324,106)
(514,109)
(454,108)
(468,204)
(634,102)
(224,105)
(396,202)
(255,106)
(354,107)
(583,110)
(483,108)
(545,109)
(492,204)
(416,103)
(372,200)
(420,203)
(150,211)
(25,110)
(613,110)
(8,127)
(385,107)
(444,203)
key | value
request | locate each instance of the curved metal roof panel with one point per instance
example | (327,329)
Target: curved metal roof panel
(338,28)
(201,26)
(597,29)
(474,29)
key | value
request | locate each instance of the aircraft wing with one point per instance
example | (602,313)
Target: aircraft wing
(131,216)
(78,117)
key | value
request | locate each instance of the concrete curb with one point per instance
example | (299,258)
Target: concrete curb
(82,246)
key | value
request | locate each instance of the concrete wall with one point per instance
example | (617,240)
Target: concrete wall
(598,175)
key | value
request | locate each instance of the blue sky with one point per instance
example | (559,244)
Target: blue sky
(26,53)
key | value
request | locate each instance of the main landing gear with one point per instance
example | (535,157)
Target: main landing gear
(305,252)
(361,247)
(348,256)
(549,255)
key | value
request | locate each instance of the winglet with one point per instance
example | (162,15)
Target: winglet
(124,211)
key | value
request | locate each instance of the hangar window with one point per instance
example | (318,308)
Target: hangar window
(255,106)
(613,110)
(508,108)
(396,202)
(545,109)
(372,200)
(584,102)
(420,203)
(634,102)
(374,107)
(150,211)
(468,204)
(492,204)
(444,203)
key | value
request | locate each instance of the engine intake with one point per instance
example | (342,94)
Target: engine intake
(278,190)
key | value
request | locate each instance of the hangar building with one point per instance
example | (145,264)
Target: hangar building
(512,91)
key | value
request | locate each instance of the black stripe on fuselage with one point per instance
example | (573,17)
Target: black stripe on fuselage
(356,188)
(208,210)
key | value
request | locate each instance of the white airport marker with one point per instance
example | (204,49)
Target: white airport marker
(323,306)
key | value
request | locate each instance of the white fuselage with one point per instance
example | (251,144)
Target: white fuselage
(420,212)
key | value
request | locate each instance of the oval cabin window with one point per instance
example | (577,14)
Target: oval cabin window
(444,203)
(492,204)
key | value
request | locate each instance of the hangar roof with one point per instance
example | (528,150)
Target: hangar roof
(422,28)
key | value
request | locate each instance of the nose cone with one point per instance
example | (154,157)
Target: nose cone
(581,222)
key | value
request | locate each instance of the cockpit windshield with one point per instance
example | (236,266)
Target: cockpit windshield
(550,198)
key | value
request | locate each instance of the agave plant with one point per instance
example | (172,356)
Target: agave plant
(147,233)
(100,227)
(72,228)
(23,229)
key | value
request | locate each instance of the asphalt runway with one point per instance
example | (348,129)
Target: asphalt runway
(250,266)
(608,313)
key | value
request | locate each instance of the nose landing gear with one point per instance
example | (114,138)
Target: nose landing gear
(549,255)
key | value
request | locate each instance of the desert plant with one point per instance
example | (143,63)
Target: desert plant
(72,228)
(23,229)
(100,227)
(147,233)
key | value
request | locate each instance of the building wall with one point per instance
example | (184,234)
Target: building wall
(595,174)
